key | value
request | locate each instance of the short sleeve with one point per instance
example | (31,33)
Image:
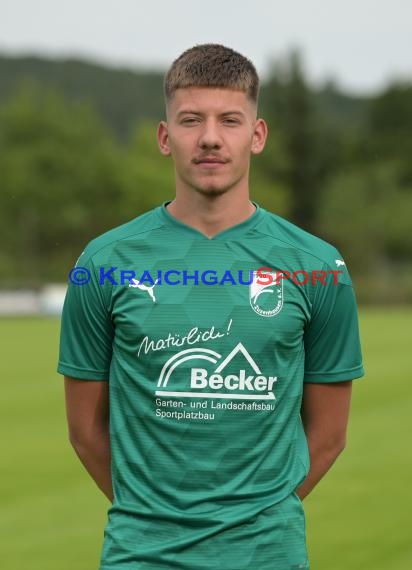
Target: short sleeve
(86,335)
(332,344)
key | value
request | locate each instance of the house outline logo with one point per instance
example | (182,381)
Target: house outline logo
(252,387)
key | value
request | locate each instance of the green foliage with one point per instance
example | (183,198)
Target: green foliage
(122,97)
(390,115)
(309,147)
(60,183)
(367,213)
(78,155)
(148,177)
(340,111)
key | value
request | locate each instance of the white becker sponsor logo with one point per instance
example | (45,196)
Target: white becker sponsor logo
(203,383)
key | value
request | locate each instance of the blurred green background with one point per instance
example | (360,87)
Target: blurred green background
(78,155)
(53,516)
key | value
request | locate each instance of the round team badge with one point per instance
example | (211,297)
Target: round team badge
(266,299)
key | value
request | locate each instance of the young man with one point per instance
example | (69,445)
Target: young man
(221,379)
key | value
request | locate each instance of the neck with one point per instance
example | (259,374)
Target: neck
(211,215)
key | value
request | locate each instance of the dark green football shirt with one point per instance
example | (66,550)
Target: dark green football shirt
(206,361)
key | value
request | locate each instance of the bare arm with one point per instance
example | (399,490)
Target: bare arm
(325,414)
(87,408)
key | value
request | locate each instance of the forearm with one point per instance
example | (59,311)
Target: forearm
(323,454)
(87,407)
(96,457)
(325,413)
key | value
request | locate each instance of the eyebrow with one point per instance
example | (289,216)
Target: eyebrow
(224,114)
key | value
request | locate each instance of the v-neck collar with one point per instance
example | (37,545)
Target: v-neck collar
(229,233)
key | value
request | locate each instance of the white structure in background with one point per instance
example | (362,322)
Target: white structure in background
(51,299)
(48,301)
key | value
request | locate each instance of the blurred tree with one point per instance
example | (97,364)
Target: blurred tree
(60,184)
(268,188)
(367,214)
(388,129)
(147,176)
(306,148)
(390,119)
(122,97)
(336,165)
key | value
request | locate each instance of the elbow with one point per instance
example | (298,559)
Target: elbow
(335,446)
(74,439)
(327,446)
(85,437)
(80,440)
(340,443)
(343,444)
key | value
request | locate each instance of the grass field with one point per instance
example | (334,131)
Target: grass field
(52,515)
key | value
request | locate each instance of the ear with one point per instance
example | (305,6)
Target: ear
(260,134)
(163,139)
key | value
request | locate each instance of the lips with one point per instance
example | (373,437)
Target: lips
(209,160)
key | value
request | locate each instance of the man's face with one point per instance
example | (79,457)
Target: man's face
(210,134)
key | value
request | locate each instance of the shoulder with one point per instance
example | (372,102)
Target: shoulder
(101,246)
(305,246)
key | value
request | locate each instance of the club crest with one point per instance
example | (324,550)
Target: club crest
(266,299)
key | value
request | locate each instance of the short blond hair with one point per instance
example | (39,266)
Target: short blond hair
(212,65)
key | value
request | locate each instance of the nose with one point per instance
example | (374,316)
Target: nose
(210,136)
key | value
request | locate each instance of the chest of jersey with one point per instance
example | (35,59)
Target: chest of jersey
(202,319)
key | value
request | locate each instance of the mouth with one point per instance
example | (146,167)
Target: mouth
(209,162)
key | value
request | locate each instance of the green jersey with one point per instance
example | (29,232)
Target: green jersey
(206,355)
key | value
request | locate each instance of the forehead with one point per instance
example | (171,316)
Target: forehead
(209,100)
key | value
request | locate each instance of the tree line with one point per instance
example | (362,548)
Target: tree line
(78,155)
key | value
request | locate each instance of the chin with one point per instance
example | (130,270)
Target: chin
(212,191)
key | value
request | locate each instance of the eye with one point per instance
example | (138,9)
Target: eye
(189,121)
(231,121)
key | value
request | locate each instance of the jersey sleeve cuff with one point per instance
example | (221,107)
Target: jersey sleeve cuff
(82,373)
(338,376)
